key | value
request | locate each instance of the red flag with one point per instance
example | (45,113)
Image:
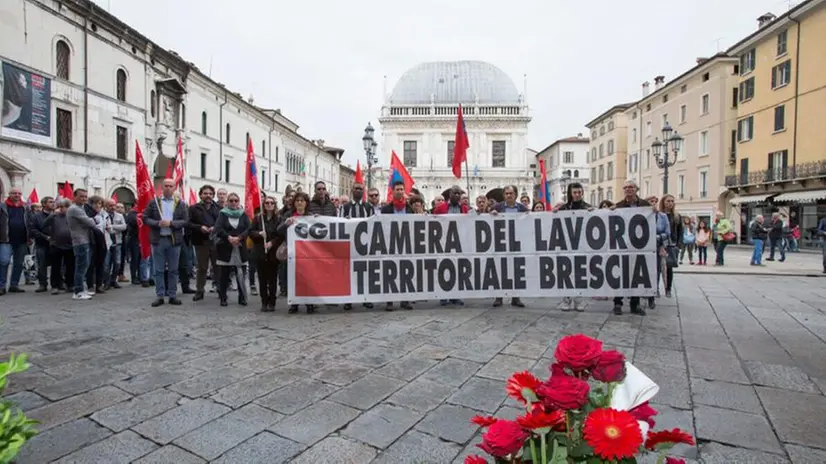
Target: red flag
(67,191)
(115,197)
(145,195)
(360,178)
(398,173)
(33,198)
(460,145)
(252,194)
(178,170)
(169,170)
(192,198)
(545,195)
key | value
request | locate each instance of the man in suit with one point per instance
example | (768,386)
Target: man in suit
(166,217)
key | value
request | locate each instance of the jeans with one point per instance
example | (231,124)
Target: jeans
(720,251)
(41,255)
(702,254)
(690,248)
(166,256)
(83,255)
(146,269)
(757,255)
(14,255)
(185,266)
(63,265)
(776,243)
(111,267)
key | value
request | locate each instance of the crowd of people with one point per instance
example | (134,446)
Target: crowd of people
(83,245)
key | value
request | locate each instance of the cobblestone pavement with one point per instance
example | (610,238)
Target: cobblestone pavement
(806,263)
(741,361)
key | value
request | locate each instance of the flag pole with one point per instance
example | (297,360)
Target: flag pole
(467,177)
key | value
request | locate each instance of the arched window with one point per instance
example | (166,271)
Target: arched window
(609,195)
(203,123)
(576,173)
(153,103)
(120,89)
(62,59)
(226,136)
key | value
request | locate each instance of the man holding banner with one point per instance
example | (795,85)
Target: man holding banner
(397,207)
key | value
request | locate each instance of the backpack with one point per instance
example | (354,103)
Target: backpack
(688,237)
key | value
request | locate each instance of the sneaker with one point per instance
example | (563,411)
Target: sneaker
(580,305)
(41,290)
(90,291)
(566,304)
(55,291)
(81,296)
(253,290)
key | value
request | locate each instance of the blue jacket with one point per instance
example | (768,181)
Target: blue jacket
(663,230)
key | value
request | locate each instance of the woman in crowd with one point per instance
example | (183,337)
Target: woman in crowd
(725,233)
(95,275)
(61,255)
(285,212)
(675,225)
(265,242)
(689,239)
(538,207)
(300,203)
(231,231)
(702,237)
(417,204)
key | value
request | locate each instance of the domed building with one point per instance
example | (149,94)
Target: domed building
(418,121)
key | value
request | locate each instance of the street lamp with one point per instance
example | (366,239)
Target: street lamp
(662,154)
(563,183)
(369,149)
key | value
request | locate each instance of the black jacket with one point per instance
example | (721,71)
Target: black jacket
(201,214)
(574,205)
(390,209)
(283,227)
(224,230)
(270,226)
(636,203)
(131,219)
(775,232)
(357,209)
(758,231)
(37,230)
(57,227)
(325,208)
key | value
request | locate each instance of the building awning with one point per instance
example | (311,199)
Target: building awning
(746,199)
(806,196)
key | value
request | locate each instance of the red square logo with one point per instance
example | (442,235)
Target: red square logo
(322,268)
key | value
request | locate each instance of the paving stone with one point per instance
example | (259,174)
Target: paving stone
(421,395)
(716,453)
(659,356)
(264,448)
(481,352)
(209,382)
(736,428)
(435,352)
(407,368)
(153,380)
(797,417)
(619,333)
(382,425)
(214,361)
(80,353)
(804,455)
(123,415)
(470,449)
(170,454)
(659,339)
(219,436)
(315,422)
(452,371)
(296,396)
(177,422)
(779,376)
(60,441)
(480,394)
(124,447)
(674,386)
(531,349)
(269,360)
(27,400)
(251,388)
(449,422)
(502,366)
(28,380)
(79,384)
(336,450)
(76,407)
(715,365)
(342,374)
(375,356)
(726,395)
(416,447)
(367,392)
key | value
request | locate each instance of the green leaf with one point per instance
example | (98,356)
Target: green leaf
(560,454)
(580,450)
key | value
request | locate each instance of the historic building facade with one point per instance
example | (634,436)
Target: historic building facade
(566,161)
(607,154)
(80,87)
(418,122)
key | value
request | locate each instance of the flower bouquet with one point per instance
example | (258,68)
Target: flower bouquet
(593,409)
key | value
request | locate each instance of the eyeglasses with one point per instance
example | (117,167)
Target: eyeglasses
(269,202)
(320,189)
(374,194)
(234,201)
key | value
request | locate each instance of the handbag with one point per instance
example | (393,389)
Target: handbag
(281,252)
(672,254)
(729,236)
(689,238)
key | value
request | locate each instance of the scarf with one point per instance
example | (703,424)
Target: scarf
(296,213)
(233,213)
(399,204)
(12,204)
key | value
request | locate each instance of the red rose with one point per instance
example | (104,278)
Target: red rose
(670,460)
(564,392)
(503,438)
(610,367)
(474,459)
(578,352)
(645,413)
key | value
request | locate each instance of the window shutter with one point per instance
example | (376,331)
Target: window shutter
(774,77)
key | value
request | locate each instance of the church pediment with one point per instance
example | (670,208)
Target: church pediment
(11,166)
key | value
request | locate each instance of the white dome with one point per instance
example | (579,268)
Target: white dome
(454,82)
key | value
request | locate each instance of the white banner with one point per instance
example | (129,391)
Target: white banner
(418,257)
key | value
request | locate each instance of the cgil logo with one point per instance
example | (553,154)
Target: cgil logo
(319,231)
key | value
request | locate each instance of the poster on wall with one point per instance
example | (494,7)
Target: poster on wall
(26,105)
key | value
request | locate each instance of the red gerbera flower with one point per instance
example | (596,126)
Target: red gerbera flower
(519,382)
(612,434)
(483,421)
(475,459)
(668,460)
(665,439)
(539,419)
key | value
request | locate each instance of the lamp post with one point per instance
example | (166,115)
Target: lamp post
(662,153)
(370,147)
(563,183)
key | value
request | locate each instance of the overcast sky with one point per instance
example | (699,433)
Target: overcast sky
(323,62)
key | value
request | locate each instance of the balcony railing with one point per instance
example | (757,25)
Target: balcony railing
(809,170)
